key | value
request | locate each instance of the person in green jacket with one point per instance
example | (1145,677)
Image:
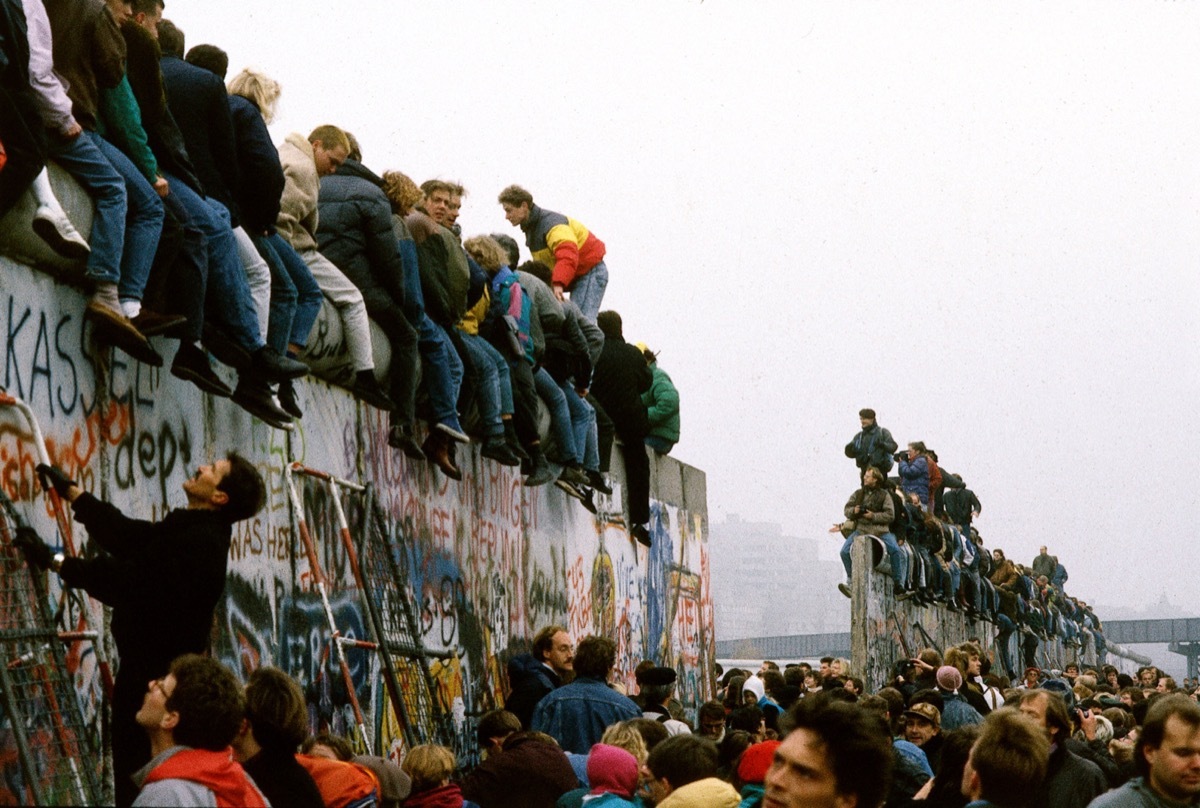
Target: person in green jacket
(662,406)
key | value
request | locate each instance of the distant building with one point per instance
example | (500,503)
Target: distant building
(767,584)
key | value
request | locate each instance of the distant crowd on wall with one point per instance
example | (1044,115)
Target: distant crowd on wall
(924,519)
(946,732)
(207,233)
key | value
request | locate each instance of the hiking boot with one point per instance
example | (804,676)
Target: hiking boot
(640,533)
(570,489)
(368,391)
(254,396)
(844,588)
(191,365)
(54,228)
(287,399)
(497,449)
(437,452)
(574,475)
(274,367)
(596,480)
(542,473)
(514,444)
(401,437)
(112,327)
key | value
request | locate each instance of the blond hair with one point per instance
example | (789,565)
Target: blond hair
(259,88)
(429,765)
(401,191)
(625,735)
(487,252)
(330,137)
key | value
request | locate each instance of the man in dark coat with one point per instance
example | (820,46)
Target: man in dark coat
(872,446)
(162,580)
(620,378)
(528,771)
(532,676)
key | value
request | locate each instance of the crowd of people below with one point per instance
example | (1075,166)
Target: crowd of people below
(923,516)
(947,731)
(208,233)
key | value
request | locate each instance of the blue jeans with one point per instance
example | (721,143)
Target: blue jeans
(143,223)
(295,296)
(560,415)
(659,445)
(896,556)
(583,423)
(83,160)
(588,291)
(228,299)
(493,387)
(442,371)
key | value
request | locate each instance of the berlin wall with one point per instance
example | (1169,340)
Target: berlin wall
(486,561)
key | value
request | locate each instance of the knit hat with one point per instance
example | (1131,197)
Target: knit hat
(1061,689)
(612,770)
(755,686)
(948,678)
(755,762)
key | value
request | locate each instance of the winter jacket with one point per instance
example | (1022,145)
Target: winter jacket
(707,793)
(354,231)
(961,505)
(282,780)
(620,378)
(914,478)
(561,243)
(49,95)
(342,784)
(445,274)
(196,777)
(528,773)
(1044,564)
(145,79)
(260,174)
(1071,781)
(662,406)
(876,500)
(200,105)
(956,712)
(530,681)
(547,312)
(1005,574)
(509,300)
(89,53)
(1135,794)
(447,796)
(873,446)
(298,212)
(120,123)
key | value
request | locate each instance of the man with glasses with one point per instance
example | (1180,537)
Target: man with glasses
(534,675)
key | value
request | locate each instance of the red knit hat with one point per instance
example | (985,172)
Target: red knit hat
(755,761)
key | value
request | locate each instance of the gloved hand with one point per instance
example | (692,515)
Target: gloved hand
(37,552)
(53,476)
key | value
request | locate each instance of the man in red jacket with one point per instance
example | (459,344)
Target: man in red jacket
(191,715)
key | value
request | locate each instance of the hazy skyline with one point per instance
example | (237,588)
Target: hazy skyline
(979,219)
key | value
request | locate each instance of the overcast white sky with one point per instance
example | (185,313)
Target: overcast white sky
(978,218)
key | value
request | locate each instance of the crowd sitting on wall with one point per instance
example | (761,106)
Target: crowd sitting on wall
(569,735)
(207,233)
(924,519)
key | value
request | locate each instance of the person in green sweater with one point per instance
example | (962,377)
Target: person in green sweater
(662,406)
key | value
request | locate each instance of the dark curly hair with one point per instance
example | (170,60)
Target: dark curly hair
(208,700)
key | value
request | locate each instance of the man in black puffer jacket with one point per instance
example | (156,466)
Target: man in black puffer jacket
(355,232)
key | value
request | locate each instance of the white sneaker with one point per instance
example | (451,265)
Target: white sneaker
(56,229)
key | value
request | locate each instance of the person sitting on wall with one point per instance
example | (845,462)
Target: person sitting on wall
(870,511)
(662,406)
(162,579)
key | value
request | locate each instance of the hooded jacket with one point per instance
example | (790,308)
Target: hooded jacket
(707,793)
(662,406)
(298,220)
(185,776)
(530,680)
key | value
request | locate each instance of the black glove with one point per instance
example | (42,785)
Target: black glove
(52,477)
(37,553)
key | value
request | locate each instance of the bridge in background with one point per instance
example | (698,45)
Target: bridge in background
(1182,636)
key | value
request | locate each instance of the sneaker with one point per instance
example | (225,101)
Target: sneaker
(844,589)
(287,399)
(275,367)
(255,398)
(113,328)
(588,499)
(191,365)
(574,475)
(368,391)
(401,437)
(497,449)
(640,534)
(54,228)
(570,490)
(596,480)
(904,595)
(453,431)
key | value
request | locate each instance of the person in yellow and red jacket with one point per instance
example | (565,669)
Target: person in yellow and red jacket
(575,253)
